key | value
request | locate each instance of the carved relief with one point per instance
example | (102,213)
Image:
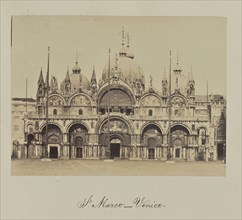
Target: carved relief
(53,139)
(80,100)
(55,101)
(150,101)
(178,106)
(178,102)
(115,126)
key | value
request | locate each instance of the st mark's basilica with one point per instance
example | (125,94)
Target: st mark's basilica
(120,117)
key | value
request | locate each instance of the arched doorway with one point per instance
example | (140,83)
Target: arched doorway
(120,138)
(52,140)
(115,147)
(179,141)
(77,137)
(30,146)
(152,140)
(79,146)
(221,138)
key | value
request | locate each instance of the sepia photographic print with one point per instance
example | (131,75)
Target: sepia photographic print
(120,110)
(136,91)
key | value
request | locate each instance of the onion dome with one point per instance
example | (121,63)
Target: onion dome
(123,52)
(126,68)
(130,53)
(77,80)
(76,69)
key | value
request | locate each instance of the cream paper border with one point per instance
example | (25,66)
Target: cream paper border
(185,197)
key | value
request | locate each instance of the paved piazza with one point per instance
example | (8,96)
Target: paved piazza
(36,167)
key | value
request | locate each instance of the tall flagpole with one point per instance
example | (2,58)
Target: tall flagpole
(169,113)
(108,150)
(26,103)
(47,109)
(26,112)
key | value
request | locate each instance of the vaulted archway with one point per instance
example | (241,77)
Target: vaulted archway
(77,138)
(151,136)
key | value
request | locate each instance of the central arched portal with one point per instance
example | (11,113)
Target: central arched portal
(120,138)
(115,147)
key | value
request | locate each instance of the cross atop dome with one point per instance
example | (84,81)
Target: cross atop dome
(76,69)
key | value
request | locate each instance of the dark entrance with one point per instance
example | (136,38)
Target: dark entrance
(79,152)
(53,152)
(151,154)
(201,155)
(220,152)
(177,153)
(115,150)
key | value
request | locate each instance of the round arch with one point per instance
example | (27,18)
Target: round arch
(202,127)
(30,137)
(180,96)
(125,89)
(177,126)
(69,126)
(80,94)
(57,95)
(122,118)
(77,124)
(41,129)
(116,135)
(150,94)
(151,123)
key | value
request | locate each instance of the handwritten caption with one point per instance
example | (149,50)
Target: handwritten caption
(106,202)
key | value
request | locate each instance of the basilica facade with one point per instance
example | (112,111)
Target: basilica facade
(120,111)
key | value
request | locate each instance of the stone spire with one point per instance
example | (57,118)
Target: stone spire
(41,78)
(41,88)
(67,79)
(164,83)
(177,71)
(66,86)
(93,79)
(190,84)
(191,78)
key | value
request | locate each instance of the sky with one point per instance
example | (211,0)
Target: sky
(199,42)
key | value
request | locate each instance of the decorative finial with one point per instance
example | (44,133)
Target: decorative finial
(151,80)
(123,35)
(127,39)
(77,57)
(177,61)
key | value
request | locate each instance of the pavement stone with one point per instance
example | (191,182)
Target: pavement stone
(36,167)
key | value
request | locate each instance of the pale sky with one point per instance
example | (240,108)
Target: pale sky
(201,42)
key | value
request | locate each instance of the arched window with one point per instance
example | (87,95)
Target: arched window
(203,134)
(55,112)
(80,112)
(150,112)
